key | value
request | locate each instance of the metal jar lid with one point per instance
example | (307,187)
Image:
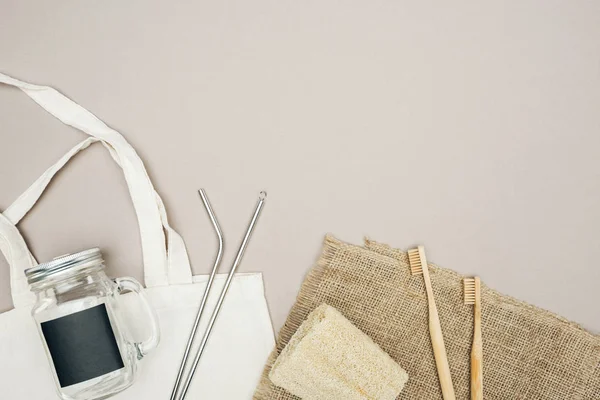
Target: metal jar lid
(62,264)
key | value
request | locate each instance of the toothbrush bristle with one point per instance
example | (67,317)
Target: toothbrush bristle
(414,259)
(469,290)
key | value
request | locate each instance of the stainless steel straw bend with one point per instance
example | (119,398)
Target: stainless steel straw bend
(236,263)
(215,223)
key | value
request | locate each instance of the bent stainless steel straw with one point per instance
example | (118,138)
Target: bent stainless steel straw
(215,223)
(236,263)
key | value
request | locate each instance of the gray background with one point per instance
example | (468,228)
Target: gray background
(471,128)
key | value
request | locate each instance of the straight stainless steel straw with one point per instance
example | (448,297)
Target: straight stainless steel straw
(236,263)
(215,223)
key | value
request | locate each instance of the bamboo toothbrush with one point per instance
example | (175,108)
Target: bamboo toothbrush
(418,266)
(473,296)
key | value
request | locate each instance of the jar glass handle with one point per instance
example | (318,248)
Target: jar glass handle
(128,284)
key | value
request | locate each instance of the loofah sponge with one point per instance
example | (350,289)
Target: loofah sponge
(328,358)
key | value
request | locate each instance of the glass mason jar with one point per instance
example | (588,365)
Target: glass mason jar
(82,323)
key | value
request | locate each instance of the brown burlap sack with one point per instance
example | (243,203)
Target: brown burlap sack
(529,353)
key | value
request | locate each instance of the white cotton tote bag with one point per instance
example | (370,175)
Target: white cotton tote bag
(241,341)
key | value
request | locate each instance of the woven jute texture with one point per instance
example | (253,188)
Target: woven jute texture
(529,353)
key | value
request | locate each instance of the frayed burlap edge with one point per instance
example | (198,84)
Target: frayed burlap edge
(388,251)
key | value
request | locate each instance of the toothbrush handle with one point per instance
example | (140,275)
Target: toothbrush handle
(439,351)
(477,357)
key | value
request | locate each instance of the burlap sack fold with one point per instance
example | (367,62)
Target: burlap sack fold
(529,353)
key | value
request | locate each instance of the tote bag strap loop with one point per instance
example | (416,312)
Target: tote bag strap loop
(165,258)
(19,258)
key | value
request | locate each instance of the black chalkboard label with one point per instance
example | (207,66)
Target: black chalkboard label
(82,345)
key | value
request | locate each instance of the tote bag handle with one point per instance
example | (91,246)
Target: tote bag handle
(165,258)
